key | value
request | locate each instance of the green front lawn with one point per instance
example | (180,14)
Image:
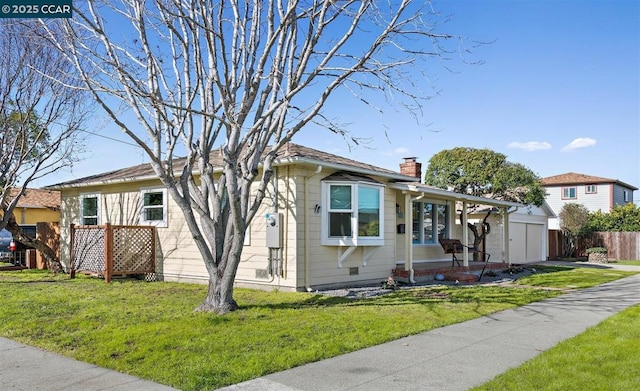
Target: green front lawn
(150,329)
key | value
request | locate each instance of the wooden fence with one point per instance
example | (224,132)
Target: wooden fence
(108,250)
(619,245)
(49,233)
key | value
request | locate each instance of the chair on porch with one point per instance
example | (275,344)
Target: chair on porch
(454,246)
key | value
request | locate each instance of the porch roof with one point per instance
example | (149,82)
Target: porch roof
(421,189)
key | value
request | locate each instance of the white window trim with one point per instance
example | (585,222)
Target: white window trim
(354,240)
(157,223)
(81,215)
(421,222)
(568,188)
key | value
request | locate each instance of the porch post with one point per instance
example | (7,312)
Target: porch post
(408,235)
(465,235)
(505,236)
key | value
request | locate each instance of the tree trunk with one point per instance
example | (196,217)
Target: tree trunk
(219,297)
(50,256)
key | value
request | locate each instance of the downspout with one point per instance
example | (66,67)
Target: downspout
(285,239)
(307,280)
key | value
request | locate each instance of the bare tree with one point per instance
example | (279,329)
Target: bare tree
(39,116)
(241,78)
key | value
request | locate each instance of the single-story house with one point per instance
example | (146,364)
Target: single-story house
(337,222)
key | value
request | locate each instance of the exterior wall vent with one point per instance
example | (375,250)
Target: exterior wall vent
(353,271)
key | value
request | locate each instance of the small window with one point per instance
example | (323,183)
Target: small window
(89,209)
(154,207)
(569,193)
(625,195)
(591,189)
(354,213)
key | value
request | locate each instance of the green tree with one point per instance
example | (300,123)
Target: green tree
(574,223)
(621,218)
(483,172)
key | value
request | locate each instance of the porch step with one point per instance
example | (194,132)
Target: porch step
(425,273)
(462,277)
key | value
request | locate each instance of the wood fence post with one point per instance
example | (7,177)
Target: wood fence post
(108,252)
(72,234)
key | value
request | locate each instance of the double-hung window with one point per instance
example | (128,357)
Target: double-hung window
(430,222)
(90,209)
(569,193)
(154,207)
(354,213)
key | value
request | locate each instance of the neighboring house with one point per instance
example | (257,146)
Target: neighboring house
(36,205)
(343,222)
(595,193)
(37,212)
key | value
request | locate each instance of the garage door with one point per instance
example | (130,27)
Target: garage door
(525,242)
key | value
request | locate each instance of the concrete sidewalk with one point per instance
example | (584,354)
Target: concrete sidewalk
(27,368)
(455,357)
(463,355)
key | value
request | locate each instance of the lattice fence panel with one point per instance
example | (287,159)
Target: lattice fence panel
(133,251)
(89,249)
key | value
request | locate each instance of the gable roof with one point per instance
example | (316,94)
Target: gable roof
(289,154)
(37,198)
(572,178)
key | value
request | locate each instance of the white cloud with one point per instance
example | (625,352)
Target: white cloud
(580,142)
(530,145)
(400,151)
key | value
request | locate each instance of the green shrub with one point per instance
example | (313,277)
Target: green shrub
(596,250)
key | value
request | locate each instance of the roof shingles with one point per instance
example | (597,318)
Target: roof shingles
(289,152)
(572,178)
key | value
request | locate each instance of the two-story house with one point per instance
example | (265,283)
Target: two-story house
(595,193)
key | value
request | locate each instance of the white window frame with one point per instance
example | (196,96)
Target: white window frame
(568,189)
(81,215)
(625,195)
(158,223)
(355,239)
(421,226)
(591,189)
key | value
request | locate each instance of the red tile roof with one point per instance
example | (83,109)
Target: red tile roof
(572,178)
(38,198)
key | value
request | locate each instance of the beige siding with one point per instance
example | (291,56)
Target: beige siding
(180,260)
(178,257)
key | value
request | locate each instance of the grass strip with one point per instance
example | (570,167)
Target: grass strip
(605,357)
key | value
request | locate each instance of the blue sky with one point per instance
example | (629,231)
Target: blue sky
(558,90)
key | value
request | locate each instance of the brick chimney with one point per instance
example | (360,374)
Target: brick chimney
(411,168)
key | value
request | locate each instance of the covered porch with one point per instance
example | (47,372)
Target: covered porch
(407,267)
